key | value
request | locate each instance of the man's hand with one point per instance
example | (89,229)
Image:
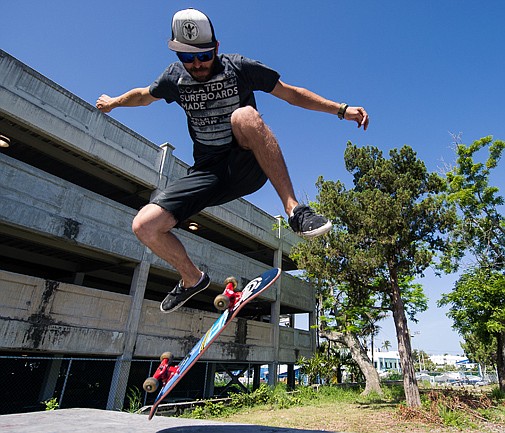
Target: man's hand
(311,101)
(104,103)
(138,97)
(359,115)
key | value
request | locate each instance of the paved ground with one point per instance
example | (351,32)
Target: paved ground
(102,421)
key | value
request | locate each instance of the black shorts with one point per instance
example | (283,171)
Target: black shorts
(234,175)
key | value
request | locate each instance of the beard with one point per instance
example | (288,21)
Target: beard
(201,73)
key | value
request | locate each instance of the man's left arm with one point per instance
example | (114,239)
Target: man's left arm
(311,101)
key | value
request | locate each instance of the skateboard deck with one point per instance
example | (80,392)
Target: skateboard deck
(250,291)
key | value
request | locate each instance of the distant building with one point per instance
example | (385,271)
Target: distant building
(385,361)
(448,359)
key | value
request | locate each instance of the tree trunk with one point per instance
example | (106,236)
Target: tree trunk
(359,355)
(404,347)
(500,360)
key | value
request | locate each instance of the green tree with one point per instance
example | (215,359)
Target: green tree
(386,229)
(478,299)
(344,322)
(423,361)
(480,228)
(480,350)
(477,307)
(326,364)
(386,345)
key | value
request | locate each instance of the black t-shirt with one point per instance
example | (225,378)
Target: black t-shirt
(209,105)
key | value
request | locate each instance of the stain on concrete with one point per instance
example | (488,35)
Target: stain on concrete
(49,290)
(244,282)
(236,352)
(187,343)
(40,321)
(71,228)
(241,331)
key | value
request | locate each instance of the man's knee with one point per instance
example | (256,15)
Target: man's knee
(142,229)
(245,122)
(139,226)
(245,117)
(151,221)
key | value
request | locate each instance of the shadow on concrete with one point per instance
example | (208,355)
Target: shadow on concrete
(234,428)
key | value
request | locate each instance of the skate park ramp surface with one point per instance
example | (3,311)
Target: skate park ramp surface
(98,421)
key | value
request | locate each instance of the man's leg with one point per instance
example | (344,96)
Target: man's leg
(153,226)
(253,134)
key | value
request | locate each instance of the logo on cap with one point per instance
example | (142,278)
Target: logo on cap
(189,30)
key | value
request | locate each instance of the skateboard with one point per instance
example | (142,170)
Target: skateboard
(230,302)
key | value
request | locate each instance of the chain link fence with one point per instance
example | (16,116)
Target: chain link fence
(34,383)
(28,382)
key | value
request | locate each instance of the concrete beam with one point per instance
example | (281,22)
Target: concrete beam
(37,314)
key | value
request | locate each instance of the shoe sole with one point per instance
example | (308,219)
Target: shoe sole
(180,304)
(318,232)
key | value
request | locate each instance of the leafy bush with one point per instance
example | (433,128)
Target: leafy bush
(134,396)
(209,410)
(51,404)
(276,397)
(497,394)
(454,418)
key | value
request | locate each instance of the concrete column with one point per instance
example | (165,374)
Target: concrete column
(291,377)
(210,375)
(123,363)
(312,330)
(256,376)
(275,311)
(79,278)
(50,378)
(165,165)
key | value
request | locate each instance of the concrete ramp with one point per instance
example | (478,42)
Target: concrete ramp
(103,421)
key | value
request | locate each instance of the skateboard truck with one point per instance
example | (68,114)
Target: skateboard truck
(163,373)
(230,296)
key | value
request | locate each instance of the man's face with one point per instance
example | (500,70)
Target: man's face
(197,64)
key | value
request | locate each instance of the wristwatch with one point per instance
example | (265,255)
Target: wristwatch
(341,110)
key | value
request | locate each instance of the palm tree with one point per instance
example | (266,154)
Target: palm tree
(386,345)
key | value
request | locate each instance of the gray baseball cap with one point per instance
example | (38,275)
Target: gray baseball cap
(192,32)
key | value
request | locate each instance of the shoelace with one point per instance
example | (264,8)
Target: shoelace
(178,290)
(301,215)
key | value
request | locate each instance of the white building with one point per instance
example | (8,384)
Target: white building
(385,361)
(448,359)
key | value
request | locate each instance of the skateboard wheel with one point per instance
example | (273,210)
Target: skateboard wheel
(233,281)
(221,302)
(150,384)
(167,355)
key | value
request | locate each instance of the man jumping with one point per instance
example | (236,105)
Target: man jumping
(234,151)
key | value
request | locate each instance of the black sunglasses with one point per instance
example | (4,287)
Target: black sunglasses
(190,57)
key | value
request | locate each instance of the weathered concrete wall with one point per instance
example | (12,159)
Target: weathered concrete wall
(66,318)
(50,206)
(56,317)
(57,208)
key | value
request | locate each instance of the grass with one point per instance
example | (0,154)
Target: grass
(345,410)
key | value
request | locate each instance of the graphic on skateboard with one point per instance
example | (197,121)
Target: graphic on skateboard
(231,301)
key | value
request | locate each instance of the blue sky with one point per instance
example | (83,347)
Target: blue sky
(422,69)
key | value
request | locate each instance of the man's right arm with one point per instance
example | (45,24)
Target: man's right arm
(133,98)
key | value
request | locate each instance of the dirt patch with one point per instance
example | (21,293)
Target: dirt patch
(349,418)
